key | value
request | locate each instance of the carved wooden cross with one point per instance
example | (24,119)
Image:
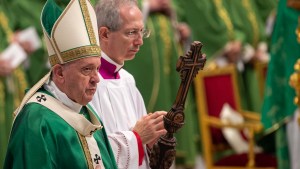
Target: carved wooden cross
(163,153)
(188,68)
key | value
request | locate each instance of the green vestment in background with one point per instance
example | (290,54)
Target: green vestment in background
(278,101)
(211,24)
(247,21)
(12,87)
(217,22)
(27,14)
(265,8)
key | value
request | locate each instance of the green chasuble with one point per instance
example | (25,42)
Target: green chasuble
(40,138)
(210,23)
(245,18)
(217,22)
(278,103)
(159,80)
(244,15)
(265,8)
(12,87)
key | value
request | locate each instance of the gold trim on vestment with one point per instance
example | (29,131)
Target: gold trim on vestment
(164,34)
(222,12)
(18,76)
(277,125)
(76,53)
(9,34)
(297,31)
(21,86)
(156,68)
(86,150)
(2,102)
(5,26)
(252,19)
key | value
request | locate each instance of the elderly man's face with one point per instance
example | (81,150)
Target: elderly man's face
(81,78)
(125,43)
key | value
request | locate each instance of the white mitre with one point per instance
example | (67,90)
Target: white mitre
(72,33)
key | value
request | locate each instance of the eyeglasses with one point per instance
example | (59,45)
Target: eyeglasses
(134,34)
(89,70)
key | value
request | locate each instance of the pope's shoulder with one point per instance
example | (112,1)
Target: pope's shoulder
(36,114)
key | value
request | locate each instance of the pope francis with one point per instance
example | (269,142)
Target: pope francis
(54,127)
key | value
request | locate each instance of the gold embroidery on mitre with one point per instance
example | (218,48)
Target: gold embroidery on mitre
(87,20)
(78,52)
(52,39)
(74,54)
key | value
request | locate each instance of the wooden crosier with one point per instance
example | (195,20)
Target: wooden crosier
(163,152)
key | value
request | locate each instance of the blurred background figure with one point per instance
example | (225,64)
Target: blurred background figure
(26,18)
(211,24)
(22,58)
(249,20)
(279,111)
(159,81)
(233,32)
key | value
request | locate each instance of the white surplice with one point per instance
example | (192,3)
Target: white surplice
(120,105)
(293,134)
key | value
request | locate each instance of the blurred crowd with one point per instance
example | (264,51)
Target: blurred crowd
(243,33)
